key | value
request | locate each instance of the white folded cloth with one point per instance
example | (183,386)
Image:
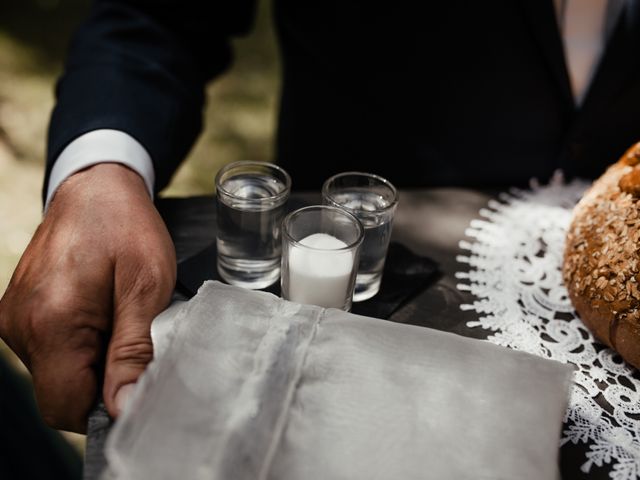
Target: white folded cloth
(248,386)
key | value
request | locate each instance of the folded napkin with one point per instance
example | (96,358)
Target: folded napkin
(248,386)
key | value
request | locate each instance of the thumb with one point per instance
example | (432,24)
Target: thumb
(138,299)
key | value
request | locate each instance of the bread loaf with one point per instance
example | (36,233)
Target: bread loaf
(602,257)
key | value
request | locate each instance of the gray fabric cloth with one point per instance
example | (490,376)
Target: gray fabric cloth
(248,386)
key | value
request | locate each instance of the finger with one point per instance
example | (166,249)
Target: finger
(139,296)
(60,348)
(65,381)
(65,402)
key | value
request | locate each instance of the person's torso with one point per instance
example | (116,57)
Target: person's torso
(444,93)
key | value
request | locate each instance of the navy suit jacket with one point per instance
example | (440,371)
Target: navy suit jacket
(423,93)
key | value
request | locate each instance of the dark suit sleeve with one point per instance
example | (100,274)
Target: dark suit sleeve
(141,66)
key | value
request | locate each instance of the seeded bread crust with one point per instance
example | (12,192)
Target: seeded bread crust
(602,257)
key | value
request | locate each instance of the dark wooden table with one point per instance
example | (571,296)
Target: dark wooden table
(429,222)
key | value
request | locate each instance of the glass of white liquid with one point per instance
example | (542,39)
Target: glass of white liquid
(373,200)
(320,248)
(250,208)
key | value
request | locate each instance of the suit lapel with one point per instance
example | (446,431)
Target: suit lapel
(542,20)
(620,59)
(616,67)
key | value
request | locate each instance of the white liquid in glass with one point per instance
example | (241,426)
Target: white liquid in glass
(320,275)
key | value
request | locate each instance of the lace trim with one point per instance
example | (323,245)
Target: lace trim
(515,260)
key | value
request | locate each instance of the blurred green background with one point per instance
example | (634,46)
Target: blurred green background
(240,116)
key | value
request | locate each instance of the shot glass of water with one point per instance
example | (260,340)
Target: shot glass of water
(372,199)
(320,247)
(251,206)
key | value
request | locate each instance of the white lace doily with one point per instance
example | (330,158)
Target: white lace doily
(515,261)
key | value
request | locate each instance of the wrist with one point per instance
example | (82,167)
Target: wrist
(111,182)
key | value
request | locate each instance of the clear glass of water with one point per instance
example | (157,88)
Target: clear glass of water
(251,206)
(373,200)
(320,248)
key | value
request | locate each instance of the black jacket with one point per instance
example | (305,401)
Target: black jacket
(424,93)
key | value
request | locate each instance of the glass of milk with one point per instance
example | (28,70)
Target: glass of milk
(320,252)
(372,199)
(250,208)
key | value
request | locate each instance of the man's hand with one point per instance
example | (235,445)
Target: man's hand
(99,268)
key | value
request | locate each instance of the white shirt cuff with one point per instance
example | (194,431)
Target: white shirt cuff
(101,146)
